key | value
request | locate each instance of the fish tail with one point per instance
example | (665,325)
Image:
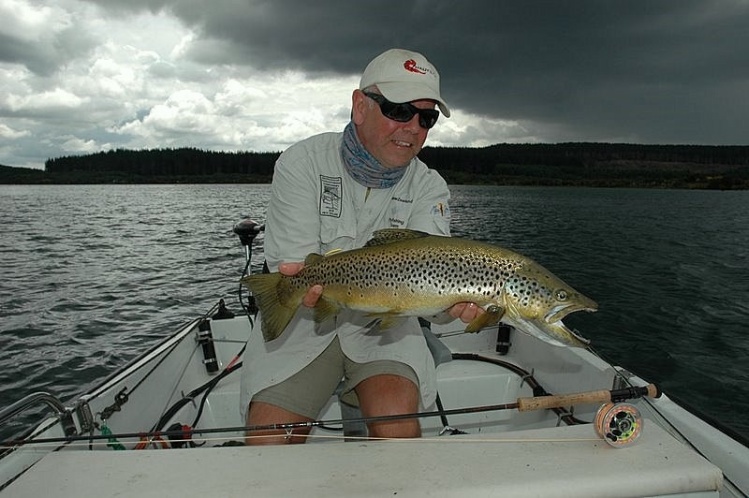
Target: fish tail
(276,307)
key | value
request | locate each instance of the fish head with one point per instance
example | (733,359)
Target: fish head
(538,298)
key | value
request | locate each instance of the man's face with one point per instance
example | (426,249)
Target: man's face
(392,143)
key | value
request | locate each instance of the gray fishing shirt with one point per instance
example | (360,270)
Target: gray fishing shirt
(317,207)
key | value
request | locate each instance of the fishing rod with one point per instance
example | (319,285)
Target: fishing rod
(608,397)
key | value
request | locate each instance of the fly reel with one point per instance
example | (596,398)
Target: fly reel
(619,424)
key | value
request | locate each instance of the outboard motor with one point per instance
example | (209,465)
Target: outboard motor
(247,230)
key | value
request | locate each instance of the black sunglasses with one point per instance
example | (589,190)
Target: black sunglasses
(403,113)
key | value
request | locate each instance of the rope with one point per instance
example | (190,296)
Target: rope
(112,441)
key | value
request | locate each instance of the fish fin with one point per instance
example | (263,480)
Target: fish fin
(390,235)
(388,320)
(325,309)
(275,314)
(312,258)
(490,317)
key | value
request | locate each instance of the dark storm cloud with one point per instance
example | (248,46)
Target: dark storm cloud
(644,71)
(45,55)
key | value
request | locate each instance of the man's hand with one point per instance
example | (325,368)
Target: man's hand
(465,311)
(314,292)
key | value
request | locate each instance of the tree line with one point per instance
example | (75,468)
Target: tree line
(167,163)
(596,164)
(586,164)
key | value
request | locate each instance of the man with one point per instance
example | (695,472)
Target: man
(330,192)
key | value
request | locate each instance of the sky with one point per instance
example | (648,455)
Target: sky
(83,76)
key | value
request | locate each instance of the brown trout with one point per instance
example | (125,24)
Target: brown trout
(407,273)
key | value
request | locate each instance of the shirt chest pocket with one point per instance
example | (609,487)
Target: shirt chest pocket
(336,233)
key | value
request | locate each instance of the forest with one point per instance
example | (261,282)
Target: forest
(564,164)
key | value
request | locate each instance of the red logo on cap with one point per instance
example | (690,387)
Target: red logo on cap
(410,65)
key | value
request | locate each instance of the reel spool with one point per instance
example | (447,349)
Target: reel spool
(619,424)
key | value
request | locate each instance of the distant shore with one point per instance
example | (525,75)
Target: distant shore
(573,164)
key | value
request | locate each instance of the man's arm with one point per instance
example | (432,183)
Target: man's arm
(292,221)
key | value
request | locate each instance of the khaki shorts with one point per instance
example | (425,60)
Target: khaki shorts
(307,391)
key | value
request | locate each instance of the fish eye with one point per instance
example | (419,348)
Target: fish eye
(561,295)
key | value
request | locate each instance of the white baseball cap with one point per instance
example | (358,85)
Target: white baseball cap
(404,76)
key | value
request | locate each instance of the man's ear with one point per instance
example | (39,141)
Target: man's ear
(358,106)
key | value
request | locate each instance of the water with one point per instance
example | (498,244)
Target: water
(94,275)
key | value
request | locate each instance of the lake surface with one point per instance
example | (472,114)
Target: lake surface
(93,275)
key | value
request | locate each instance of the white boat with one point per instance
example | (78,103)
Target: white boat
(169,424)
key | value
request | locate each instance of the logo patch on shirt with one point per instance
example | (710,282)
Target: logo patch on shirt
(441,209)
(331,196)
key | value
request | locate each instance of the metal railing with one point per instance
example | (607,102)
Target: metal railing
(34,399)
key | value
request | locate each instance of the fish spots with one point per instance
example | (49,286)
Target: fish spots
(408,272)
(525,290)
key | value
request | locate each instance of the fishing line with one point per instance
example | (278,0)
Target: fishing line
(333,437)
(439,439)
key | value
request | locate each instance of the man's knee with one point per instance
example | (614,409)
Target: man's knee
(262,414)
(402,428)
(388,396)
